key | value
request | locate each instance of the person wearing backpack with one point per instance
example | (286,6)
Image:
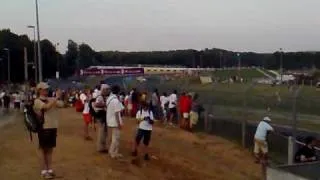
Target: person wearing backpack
(47,134)
(145,120)
(99,107)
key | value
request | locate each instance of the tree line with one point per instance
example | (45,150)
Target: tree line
(79,56)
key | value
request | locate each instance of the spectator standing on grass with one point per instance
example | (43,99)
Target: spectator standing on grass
(85,99)
(100,116)
(114,121)
(184,110)
(164,100)
(48,134)
(16,100)
(260,140)
(307,153)
(195,112)
(2,93)
(6,102)
(173,99)
(134,102)
(155,103)
(145,120)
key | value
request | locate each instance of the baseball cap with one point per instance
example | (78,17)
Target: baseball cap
(267,119)
(42,85)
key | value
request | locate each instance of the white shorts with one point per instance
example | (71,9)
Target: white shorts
(185,115)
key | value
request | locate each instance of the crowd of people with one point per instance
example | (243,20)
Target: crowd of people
(103,108)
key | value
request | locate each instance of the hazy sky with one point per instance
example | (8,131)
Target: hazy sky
(134,25)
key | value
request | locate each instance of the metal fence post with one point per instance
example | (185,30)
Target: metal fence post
(244,120)
(293,125)
(206,120)
(291,145)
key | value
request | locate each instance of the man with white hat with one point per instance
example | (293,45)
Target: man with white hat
(260,140)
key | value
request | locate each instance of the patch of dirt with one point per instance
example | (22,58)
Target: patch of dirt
(175,155)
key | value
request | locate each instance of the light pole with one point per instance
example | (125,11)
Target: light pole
(58,62)
(2,69)
(239,63)
(220,60)
(281,66)
(34,53)
(9,72)
(39,48)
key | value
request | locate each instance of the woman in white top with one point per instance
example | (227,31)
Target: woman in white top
(145,119)
(85,99)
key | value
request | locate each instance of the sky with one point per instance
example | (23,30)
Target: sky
(146,25)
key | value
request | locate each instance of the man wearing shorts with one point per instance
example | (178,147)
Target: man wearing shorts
(260,140)
(145,119)
(48,133)
(85,99)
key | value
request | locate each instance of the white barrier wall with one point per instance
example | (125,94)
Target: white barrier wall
(275,174)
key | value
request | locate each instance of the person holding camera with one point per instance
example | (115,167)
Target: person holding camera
(145,119)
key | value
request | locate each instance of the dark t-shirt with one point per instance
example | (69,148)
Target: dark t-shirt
(305,151)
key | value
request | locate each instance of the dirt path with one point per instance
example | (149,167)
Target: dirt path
(180,155)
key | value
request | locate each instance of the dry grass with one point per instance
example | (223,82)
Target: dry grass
(180,155)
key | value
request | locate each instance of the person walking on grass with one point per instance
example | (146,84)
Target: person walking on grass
(100,116)
(260,140)
(173,100)
(145,120)
(87,118)
(48,133)
(164,100)
(114,121)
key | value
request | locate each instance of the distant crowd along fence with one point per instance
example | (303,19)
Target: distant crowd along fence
(240,107)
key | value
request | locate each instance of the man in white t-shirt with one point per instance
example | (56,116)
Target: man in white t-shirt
(164,100)
(1,98)
(146,119)
(114,121)
(260,140)
(173,99)
(16,100)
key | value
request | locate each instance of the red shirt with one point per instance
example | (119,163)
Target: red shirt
(185,104)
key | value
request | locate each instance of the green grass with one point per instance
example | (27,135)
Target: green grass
(244,73)
(251,101)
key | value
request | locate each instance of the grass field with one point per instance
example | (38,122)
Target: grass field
(176,155)
(244,73)
(253,100)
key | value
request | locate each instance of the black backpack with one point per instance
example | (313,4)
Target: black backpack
(33,122)
(91,109)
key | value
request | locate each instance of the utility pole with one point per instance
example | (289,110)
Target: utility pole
(35,64)
(9,66)
(239,64)
(26,78)
(220,60)
(281,66)
(58,62)
(39,47)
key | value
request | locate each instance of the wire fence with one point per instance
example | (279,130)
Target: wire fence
(232,110)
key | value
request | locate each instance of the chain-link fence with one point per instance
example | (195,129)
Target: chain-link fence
(232,110)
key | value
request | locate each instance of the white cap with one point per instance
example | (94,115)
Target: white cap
(267,119)
(104,86)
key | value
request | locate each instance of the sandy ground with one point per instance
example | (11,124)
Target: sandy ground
(179,155)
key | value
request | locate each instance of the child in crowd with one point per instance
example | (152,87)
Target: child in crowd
(145,120)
